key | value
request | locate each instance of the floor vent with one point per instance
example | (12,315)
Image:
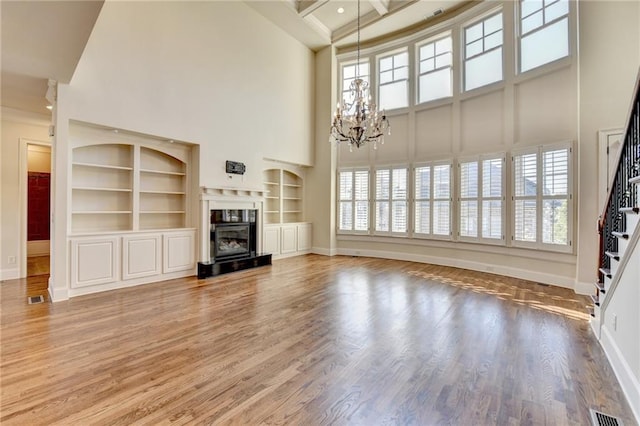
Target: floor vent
(35,299)
(601,419)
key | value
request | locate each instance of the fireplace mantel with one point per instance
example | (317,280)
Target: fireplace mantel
(225,198)
(206,192)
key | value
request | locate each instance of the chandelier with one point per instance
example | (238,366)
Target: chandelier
(356,120)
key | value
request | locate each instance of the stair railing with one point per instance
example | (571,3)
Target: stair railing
(622,193)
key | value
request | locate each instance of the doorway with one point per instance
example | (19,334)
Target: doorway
(37,212)
(609,143)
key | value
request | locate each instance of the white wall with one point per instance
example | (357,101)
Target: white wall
(15,125)
(321,183)
(621,337)
(609,61)
(216,74)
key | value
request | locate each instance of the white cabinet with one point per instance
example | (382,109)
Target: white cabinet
(289,239)
(131,219)
(101,263)
(140,255)
(271,240)
(94,261)
(304,236)
(284,240)
(179,254)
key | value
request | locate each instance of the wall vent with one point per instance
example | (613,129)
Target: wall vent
(601,419)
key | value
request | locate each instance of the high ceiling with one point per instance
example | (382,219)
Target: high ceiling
(44,40)
(318,23)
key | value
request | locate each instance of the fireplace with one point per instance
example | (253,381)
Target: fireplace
(231,220)
(232,234)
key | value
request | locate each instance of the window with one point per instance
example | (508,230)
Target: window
(481,198)
(349,74)
(544,32)
(391,200)
(542,197)
(483,52)
(353,206)
(432,208)
(392,81)
(434,81)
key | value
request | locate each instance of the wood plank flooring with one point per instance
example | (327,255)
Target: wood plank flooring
(311,340)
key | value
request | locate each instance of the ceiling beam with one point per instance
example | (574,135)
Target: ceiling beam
(306,7)
(381,6)
(370,18)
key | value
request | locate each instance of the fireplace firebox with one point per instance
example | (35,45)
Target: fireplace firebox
(233,234)
(231,240)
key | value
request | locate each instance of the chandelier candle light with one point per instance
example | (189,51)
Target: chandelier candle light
(358,121)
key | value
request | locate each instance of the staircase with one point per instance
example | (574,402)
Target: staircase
(614,314)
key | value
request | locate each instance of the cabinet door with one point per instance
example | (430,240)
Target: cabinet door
(178,251)
(271,240)
(94,261)
(304,237)
(141,256)
(289,239)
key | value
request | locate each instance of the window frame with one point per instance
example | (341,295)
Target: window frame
(480,198)
(519,34)
(463,47)
(390,54)
(432,199)
(538,244)
(418,60)
(390,199)
(353,200)
(354,62)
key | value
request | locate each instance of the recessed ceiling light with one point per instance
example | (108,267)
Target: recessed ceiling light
(341,10)
(49,107)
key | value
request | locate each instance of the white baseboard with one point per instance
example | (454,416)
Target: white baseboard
(324,251)
(292,254)
(539,277)
(57,294)
(9,274)
(584,288)
(38,248)
(628,382)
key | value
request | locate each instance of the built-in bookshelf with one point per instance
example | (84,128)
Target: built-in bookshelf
(127,187)
(102,188)
(162,190)
(283,202)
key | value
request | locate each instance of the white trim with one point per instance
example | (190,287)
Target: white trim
(324,251)
(9,274)
(603,162)
(538,277)
(23,169)
(628,382)
(584,288)
(57,294)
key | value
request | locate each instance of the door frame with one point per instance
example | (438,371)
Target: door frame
(23,197)
(604,174)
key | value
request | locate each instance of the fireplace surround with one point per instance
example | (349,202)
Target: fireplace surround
(231,228)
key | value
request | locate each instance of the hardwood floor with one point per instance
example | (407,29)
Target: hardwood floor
(37,265)
(310,340)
